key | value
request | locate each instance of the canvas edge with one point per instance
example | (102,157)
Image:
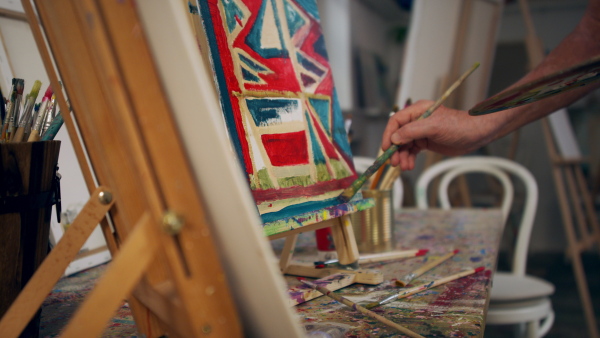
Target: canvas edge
(248,260)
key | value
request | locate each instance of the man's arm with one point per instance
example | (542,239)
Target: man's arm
(454,132)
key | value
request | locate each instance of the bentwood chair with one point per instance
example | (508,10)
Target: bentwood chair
(516,298)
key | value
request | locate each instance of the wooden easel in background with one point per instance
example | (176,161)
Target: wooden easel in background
(573,194)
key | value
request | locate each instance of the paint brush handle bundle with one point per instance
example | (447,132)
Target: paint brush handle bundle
(24,120)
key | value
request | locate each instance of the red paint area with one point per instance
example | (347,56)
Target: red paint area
(283,76)
(326,86)
(231,80)
(325,141)
(286,149)
(291,192)
(460,288)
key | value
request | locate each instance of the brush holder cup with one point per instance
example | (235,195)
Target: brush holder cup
(374,227)
(28,188)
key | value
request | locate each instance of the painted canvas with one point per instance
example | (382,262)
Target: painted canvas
(280,104)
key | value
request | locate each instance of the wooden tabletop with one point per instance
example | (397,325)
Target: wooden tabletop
(456,309)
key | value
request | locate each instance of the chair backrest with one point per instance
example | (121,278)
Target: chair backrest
(361,163)
(498,167)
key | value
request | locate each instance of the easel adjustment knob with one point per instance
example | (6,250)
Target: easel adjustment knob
(172,223)
(105,197)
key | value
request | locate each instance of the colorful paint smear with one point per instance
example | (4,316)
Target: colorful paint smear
(454,309)
(279,102)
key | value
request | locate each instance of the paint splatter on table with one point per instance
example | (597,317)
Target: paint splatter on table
(456,309)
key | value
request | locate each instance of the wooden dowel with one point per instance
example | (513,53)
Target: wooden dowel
(404,281)
(361,309)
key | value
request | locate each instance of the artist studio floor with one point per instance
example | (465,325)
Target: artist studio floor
(569,318)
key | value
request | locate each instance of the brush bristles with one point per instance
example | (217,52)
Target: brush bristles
(35,90)
(371,305)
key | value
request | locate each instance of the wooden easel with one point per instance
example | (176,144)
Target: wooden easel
(160,230)
(573,195)
(154,218)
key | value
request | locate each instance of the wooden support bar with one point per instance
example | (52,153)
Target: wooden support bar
(287,252)
(576,202)
(136,254)
(345,242)
(53,267)
(363,276)
(163,301)
(300,294)
(316,226)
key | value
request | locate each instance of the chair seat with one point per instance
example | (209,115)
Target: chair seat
(519,312)
(509,288)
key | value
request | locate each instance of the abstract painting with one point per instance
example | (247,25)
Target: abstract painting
(279,102)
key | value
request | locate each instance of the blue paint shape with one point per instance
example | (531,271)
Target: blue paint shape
(318,156)
(269,111)
(323,112)
(248,76)
(475,259)
(253,38)
(339,131)
(309,65)
(231,11)
(310,6)
(221,83)
(319,47)
(251,64)
(294,20)
(299,209)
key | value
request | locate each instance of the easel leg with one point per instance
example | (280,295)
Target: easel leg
(574,253)
(287,252)
(55,264)
(345,242)
(125,271)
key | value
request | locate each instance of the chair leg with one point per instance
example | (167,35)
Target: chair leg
(532,329)
(546,324)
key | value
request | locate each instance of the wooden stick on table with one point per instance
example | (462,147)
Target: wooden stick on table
(360,309)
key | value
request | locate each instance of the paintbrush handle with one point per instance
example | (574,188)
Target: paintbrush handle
(378,257)
(349,192)
(18,135)
(404,281)
(362,310)
(427,286)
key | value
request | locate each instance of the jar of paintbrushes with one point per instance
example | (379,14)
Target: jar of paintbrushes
(374,227)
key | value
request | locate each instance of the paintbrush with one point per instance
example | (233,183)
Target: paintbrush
(15,100)
(378,257)
(349,192)
(27,112)
(360,309)
(423,287)
(34,135)
(51,132)
(404,281)
(16,110)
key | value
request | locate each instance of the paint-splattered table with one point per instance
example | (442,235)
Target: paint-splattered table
(456,309)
